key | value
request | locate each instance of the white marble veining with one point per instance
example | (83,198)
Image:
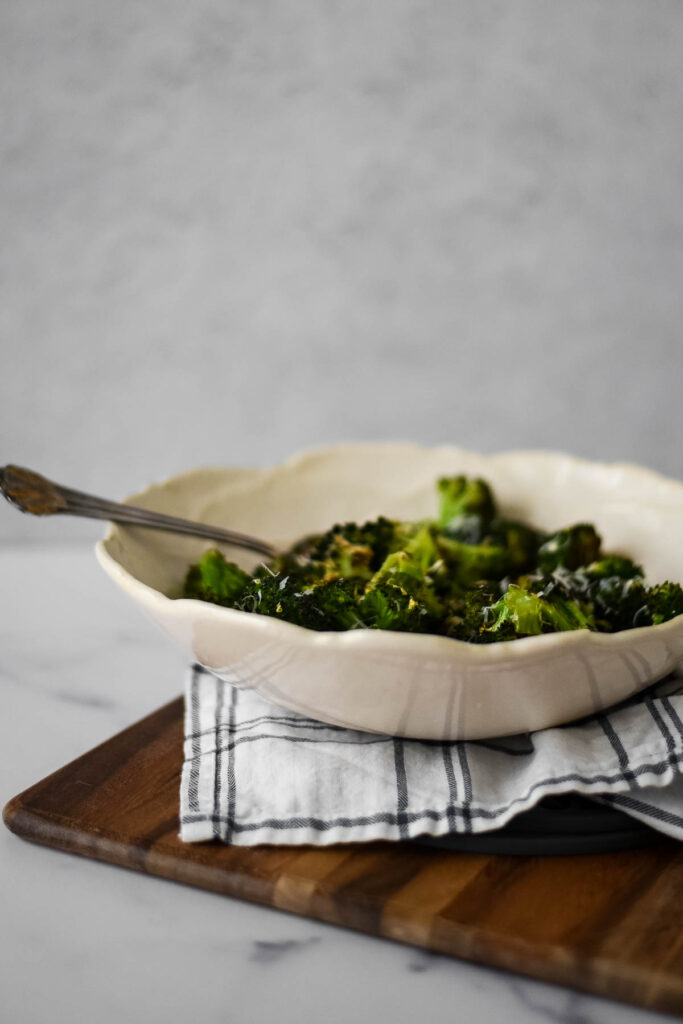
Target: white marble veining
(81,940)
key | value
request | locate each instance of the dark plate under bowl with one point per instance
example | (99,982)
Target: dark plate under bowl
(557,825)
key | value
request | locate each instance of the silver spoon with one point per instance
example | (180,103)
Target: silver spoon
(31,492)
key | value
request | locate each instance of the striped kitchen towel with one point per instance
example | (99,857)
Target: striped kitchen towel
(256,773)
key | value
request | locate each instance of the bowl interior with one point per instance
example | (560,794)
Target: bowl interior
(636,511)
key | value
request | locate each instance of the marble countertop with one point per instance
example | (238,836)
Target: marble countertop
(79,937)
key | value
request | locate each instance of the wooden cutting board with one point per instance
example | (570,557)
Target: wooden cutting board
(610,924)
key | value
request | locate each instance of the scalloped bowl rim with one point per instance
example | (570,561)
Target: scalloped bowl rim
(417,642)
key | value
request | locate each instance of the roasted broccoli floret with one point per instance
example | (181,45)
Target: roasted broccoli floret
(396,562)
(614,565)
(422,547)
(272,593)
(408,571)
(570,548)
(580,584)
(347,559)
(475,549)
(416,558)
(347,550)
(329,605)
(619,603)
(520,612)
(664,602)
(379,535)
(468,616)
(520,542)
(390,605)
(461,496)
(332,605)
(215,579)
(468,529)
(467,564)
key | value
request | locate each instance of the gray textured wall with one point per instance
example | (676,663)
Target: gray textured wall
(235,229)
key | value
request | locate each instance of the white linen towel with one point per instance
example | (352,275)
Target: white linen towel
(256,773)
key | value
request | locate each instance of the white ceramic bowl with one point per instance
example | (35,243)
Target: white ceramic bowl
(404,684)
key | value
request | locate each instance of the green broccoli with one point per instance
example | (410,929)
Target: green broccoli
(664,602)
(272,593)
(422,548)
(469,615)
(405,569)
(581,584)
(346,559)
(619,603)
(521,542)
(475,549)
(329,605)
(379,535)
(390,605)
(398,563)
(416,558)
(520,612)
(468,529)
(467,564)
(570,548)
(461,496)
(216,580)
(332,605)
(613,565)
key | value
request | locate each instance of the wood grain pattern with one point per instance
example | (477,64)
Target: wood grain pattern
(610,924)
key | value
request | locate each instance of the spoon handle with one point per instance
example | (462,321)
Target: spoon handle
(33,493)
